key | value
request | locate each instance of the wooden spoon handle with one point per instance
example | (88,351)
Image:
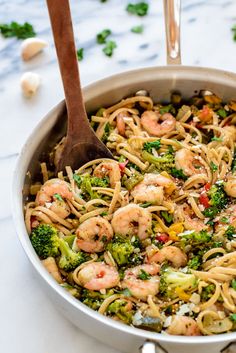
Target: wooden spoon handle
(61,22)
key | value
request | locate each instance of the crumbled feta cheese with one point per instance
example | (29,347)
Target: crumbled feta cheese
(167,321)
(184,309)
(137,318)
(48,204)
(195,298)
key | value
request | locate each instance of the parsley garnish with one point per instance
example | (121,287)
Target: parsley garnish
(139,9)
(143,275)
(222,113)
(232,317)
(80,54)
(178,173)
(148,146)
(233,284)
(224,220)
(234,32)
(167,217)
(14,29)
(216,139)
(102,36)
(58,197)
(137,29)
(108,49)
(166,109)
(213,166)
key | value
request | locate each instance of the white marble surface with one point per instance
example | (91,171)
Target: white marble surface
(28,320)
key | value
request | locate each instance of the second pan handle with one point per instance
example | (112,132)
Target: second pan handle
(172,24)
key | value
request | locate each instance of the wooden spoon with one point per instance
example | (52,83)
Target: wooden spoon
(81,144)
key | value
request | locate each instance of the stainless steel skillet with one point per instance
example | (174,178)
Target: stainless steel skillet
(159,82)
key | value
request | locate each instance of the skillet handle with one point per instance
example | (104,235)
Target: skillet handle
(172,24)
(151,347)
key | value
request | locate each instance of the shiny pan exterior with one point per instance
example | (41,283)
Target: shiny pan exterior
(159,82)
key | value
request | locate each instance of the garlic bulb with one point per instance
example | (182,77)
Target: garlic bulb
(31,47)
(30,82)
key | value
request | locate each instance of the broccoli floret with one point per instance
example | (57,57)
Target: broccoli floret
(132,181)
(86,182)
(45,241)
(172,279)
(120,308)
(218,200)
(207,292)
(230,232)
(195,239)
(69,259)
(121,249)
(162,163)
(94,299)
(148,146)
(195,262)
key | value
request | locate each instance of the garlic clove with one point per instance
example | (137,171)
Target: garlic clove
(30,82)
(31,47)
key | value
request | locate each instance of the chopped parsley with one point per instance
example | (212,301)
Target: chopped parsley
(230,232)
(178,173)
(143,275)
(145,205)
(80,54)
(109,48)
(167,217)
(148,146)
(233,284)
(219,139)
(224,220)
(17,30)
(139,9)
(58,197)
(232,317)
(102,36)
(137,29)
(222,113)
(166,109)
(213,166)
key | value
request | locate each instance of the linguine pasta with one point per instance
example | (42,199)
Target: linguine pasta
(154,228)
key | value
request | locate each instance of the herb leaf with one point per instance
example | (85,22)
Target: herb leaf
(80,54)
(178,173)
(58,197)
(139,9)
(143,275)
(102,36)
(148,146)
(216,139)
(213,166)
(108,49)
(137,29)
(222,113)
(17,30)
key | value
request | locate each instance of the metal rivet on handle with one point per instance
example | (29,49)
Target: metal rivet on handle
(151,347)
(230,348)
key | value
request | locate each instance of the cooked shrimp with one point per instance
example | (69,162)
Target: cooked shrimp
(93,234)
(110,169)
(183,326)
(230,186)
(170,253)
(188,162)
(150,122)
(185,214)
(120,123)
(52,195)
(98,275)
(132,219)
(140,287)
(152,188)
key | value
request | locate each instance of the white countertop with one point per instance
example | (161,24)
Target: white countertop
(29,322)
